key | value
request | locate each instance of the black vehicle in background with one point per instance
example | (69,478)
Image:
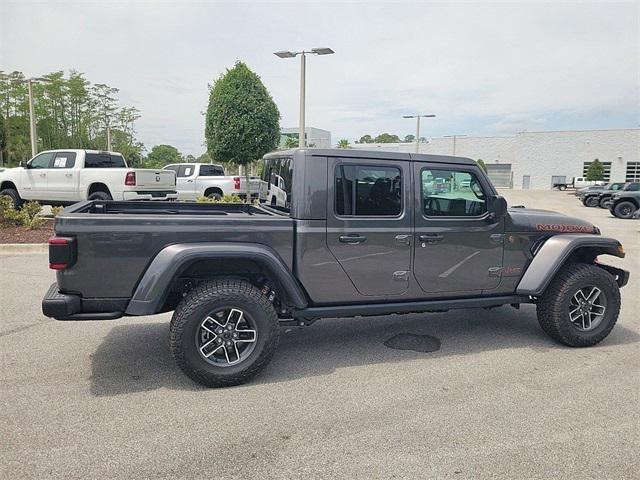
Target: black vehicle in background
(626,202)
(362,233)
(599,197)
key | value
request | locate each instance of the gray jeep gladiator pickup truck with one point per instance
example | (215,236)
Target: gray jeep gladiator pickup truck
(361,233)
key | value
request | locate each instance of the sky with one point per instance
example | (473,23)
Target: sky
(483,68)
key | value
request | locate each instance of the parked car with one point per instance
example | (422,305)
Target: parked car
(626,202)
(361,237)
(63,177)
(598,197)
(581,192)
(578,182)
(195,180)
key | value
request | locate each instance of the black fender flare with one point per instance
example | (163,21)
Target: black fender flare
(154,285)
(553,254)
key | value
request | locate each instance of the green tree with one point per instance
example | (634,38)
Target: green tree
(595,171)
(343,143)
(481,164)
(161,155)
(291,142)
(242,121)
(365,139)
(409,138)
(387,138)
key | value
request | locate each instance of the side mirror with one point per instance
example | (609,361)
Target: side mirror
(24,164)
(498,207)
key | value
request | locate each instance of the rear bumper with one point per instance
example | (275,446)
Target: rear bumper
(62,306)
(159,195)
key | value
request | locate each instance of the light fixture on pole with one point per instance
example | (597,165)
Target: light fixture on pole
(418,117)
(303,67)
(454,141)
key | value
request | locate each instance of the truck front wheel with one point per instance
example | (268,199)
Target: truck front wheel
(580,306)
(624,210)
(223,333)
(590,201)
(14,196)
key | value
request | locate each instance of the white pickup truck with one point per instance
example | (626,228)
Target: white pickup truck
(62,177)
(195,180)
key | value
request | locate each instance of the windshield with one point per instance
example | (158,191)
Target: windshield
(277,175)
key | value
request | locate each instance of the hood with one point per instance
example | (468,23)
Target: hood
(533,220)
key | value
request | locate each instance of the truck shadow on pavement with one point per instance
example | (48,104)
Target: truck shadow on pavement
(136,357)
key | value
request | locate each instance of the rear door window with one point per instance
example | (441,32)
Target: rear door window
(103,160)
(211,171)
(363,190)
(64,160)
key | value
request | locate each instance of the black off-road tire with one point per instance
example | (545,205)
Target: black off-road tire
(206,298)
(590,201)
(100,196)
(602,203)
(14,196)
(553,305)
(214,196)
(624,210)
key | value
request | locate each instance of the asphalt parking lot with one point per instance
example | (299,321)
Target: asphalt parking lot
(499,399)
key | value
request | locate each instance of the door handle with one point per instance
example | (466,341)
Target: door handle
(68,174)
(189,181)
(352,239)
(403,239)
(43,174)
(430,238)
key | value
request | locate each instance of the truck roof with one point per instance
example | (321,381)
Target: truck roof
(380,154)
(86,150)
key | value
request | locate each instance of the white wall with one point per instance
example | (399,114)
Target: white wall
(539,154)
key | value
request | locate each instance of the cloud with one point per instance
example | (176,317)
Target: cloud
(481,67)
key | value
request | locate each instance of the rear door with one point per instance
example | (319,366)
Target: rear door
(458,245)
(62,183)
(369,223)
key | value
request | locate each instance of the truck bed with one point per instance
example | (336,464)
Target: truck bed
(124,237)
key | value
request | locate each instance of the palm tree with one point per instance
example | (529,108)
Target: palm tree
(343,143)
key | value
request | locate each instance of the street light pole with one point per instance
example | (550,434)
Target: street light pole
(303,75)
(32,121)
(454,141)
(417,117)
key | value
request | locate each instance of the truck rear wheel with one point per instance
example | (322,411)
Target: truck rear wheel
(580,306)
(100,196)
(223,333)
(602,203)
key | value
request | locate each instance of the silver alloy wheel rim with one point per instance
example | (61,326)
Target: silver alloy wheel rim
(587,308)
(226,337)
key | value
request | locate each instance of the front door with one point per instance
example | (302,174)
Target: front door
(34,178)
(369,223)
(458,244)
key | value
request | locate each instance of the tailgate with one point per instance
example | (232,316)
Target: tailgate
(254,184)
(155,179)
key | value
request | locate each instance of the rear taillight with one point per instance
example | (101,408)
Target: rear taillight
(236,183)
(62,252)
(130,179)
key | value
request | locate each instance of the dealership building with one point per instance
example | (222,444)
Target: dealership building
(536,160)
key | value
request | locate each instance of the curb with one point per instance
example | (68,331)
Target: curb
(23,248)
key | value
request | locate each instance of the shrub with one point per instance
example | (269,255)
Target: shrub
(55,211)
(30,215)
(223,199)
(8,214)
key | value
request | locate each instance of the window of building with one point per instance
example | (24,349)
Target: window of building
(633,172)
(363,190)
(606,166)
(104,160)
(64,160)
(211,171)
(42,161)
(451,193)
